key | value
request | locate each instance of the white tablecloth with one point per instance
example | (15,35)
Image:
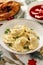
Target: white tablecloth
(24,58)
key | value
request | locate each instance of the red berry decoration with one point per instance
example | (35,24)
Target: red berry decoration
(32,62)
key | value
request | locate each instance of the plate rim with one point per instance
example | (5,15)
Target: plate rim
(16,20)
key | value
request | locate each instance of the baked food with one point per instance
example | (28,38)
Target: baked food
(9,9)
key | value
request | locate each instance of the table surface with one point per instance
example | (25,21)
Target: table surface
(26,57)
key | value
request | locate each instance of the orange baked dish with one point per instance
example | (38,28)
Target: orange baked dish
(9,9)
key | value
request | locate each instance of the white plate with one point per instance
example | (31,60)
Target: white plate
(29,7)
(37,27)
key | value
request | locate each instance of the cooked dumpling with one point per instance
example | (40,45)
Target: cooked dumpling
(21,38)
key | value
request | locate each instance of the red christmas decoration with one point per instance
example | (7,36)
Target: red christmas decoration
(32,62)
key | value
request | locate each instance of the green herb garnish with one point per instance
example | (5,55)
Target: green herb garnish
(7,31)
(38,37)
(26,47)
(15,37)
(31,29)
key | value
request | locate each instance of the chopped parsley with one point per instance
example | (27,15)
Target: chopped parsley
(26,47)
(15,37)
(38,37)
(31,29)
(7,31)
